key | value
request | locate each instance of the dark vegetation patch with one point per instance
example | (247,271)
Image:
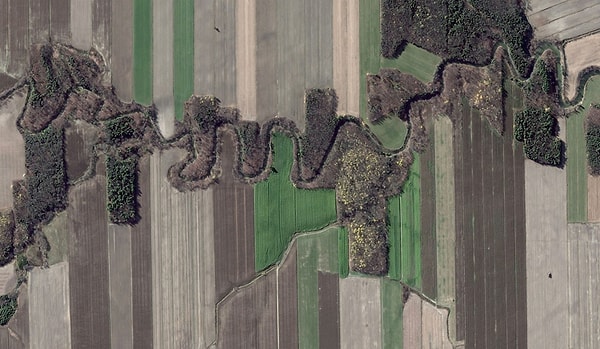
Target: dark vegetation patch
(8,307)
(7,228)
(121,190)
(538,130)
(390,93)
(119,129)
(592,139)
(542,89)
(457,30)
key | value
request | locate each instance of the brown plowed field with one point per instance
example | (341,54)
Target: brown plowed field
(248,317)
(60,21)
(329,315)
(88,264)
(18,36)
(287,284)
(360,313)
(563,19)
(119,278)
(78,153)
(141,263)
(412,322)
(593,206)
(428,225)
(12,151)
(233,203)
(5,80)
(81,24)
(580,54)
(490,210)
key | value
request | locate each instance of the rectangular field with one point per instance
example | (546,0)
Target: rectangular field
(142,51)
(183,53)
(281,209)
(490,231)
(563,19)
(12,149)
(360,313)
(404,231)
(391,314)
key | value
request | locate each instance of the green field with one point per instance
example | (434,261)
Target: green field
(404,232)
(413,60)
(183,53)
(343,251)
(576,155)
(391,320)
(316,252)
(142,51)
(281,209)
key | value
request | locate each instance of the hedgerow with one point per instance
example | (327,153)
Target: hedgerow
(121,178)
(592,139)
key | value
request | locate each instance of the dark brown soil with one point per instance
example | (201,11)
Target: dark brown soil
(490,226)
(234,232)
(6,82)
(88,265)
(288,302)
(428,233)
(329,314)
(141,263)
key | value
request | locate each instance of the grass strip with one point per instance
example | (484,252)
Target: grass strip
(183,54)
(392,307)
(142,51)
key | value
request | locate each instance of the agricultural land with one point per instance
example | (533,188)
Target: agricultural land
(299,174)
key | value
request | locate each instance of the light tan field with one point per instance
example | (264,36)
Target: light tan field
(245,58)
(425,326)
(81,24)
(162,58)
(593,206)
(360,313)
(584,286)
(12,151)
(346,67)
(563,19)
(547,253)
(119,279)
(444,218)
(121,61)
(183,297)
(580,54)
(8,279)
(50,324)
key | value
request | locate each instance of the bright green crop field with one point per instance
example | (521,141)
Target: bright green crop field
(142,52)
(281,209)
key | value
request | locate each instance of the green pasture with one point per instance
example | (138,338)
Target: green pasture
(391,310)
(404,231)
(183,53)
(142,51)
(316,252)
(413,60)
(281,209)
(576,154)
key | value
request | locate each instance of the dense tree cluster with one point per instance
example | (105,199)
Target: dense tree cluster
(538,129)
(8,307)
(456,29)
(7,227)
(592,139)
(46,177)
(119,129)
(121,188)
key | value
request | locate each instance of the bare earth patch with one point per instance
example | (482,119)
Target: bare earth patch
(579,55)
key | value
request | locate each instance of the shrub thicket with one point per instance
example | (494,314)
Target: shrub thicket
(537,129)
(121,178)
(46,178)
(8,307)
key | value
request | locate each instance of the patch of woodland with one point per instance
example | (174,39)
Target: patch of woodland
(8,307)
(390,93)
(457,30)
(481,86)
(122,190)
(7,228)
(322,125)
(542,89)
(592,139)
(538,130)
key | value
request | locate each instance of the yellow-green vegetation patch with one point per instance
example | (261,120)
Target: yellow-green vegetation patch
(392,307)
(316,252)
(404,231)
(183,53)
(576,154)
(413,60)
(142,51)
(57,235)
(281,209)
